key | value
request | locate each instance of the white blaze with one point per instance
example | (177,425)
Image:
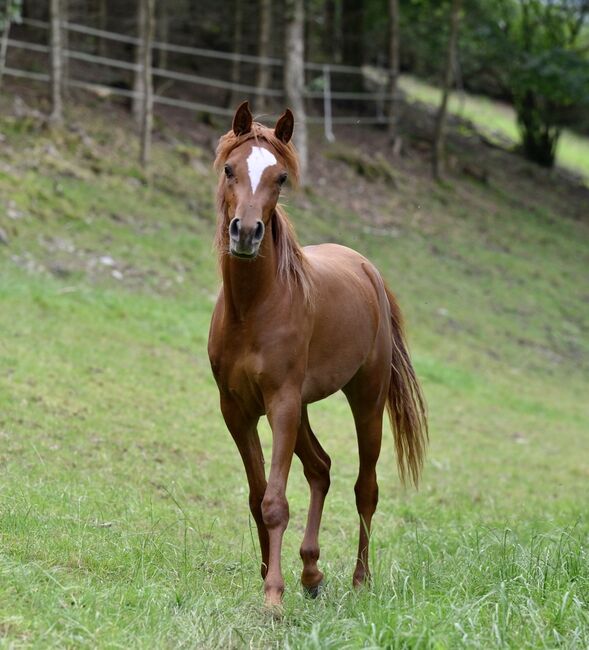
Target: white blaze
(258,160)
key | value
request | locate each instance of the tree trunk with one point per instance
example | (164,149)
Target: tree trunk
(163,34)
(264,70)
(440,128)
(65,46)
(236,96)
(294,78)
(138,91)
(56,63)
(353,32)
(147,30)
(393,103)
(102,24)
(35,10)
(4,46)
(328,40)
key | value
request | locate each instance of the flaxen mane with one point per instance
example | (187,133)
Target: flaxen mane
(292,265)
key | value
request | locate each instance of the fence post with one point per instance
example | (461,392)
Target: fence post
(327,122)
(4,45)
(147,31)
(56,62)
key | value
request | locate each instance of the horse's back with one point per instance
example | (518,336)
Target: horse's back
(340,269)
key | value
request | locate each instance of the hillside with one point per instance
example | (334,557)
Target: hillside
(123,507)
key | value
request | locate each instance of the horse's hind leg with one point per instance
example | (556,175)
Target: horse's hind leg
(367,403)
(316,464)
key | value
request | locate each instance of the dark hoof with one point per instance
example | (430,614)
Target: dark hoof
(313,592)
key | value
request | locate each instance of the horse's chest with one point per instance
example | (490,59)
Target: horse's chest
(241,374)
(237,369)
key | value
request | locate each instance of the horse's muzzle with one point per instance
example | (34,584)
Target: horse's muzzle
(245,242)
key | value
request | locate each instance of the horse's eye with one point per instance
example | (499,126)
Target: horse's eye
(282,178)
(228,171)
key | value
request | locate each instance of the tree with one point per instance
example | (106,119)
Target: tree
(147,30)
(263,72)
(353,32)
(56,62)
(294,78)
(528,52)
(235,95)
(549,77)
(331,41)
(138,88)
(11,13)
(440,126)
(163,34)
(352,46)
(65,46)
(393,116)
(102,24)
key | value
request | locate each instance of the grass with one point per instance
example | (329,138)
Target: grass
(123,503)
(494,118)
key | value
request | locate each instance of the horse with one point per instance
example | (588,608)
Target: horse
(292,326)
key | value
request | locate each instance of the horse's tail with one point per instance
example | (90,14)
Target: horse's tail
(405,403)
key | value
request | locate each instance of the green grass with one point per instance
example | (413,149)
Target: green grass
(123,503)
(494,118)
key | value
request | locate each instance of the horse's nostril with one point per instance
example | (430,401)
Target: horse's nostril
(234,228)
(259,232)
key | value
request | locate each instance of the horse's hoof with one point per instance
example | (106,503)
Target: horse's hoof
(273,603)
(316,590)
(361,584)
(274,611)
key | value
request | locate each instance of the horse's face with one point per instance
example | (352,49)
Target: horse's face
(254,175)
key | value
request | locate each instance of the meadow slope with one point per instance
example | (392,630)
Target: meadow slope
(123,503)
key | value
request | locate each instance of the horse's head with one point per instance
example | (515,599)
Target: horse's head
(256,162)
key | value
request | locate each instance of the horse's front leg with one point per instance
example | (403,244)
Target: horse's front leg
(244,431)
(284,413)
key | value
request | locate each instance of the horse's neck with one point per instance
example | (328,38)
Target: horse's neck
(247,283)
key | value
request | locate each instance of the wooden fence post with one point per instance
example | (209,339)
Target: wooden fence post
(147,30)
(4,45)
(56,63)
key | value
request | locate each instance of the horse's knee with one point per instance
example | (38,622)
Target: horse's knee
(275,511)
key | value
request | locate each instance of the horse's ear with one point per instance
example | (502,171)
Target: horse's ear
(242,120)
(285,126)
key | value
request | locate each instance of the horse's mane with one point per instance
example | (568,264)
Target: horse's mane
(292,264)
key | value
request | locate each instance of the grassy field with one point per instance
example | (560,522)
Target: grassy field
(498,119)
(123,503)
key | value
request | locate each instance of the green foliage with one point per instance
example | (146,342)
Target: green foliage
(549,79)
(11,11)
(522,50)
(423,36)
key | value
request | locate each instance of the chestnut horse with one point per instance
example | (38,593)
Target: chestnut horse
(291,326)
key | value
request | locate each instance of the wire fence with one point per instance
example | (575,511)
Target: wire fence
(325,110)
